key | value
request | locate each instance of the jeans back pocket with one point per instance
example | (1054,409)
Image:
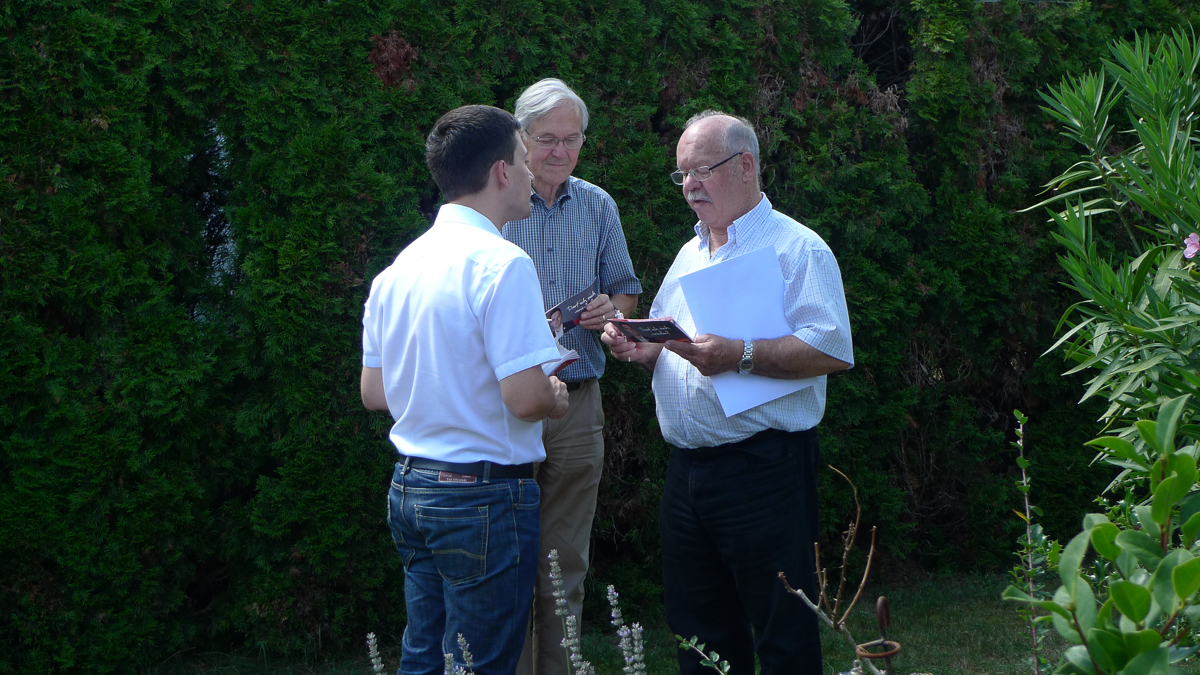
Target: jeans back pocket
(458,538)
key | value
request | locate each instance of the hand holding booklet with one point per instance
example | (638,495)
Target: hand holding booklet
(663,329)
(565,358)
(565,315)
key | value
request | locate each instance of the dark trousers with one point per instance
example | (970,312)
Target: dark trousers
(733,517)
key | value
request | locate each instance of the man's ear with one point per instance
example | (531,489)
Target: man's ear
(747,168)
(499,174)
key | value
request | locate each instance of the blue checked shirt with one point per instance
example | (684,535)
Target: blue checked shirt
(814,303)
(572,242)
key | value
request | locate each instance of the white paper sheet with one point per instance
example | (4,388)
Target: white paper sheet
(742,299)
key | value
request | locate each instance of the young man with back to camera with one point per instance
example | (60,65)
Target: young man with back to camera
(454,337)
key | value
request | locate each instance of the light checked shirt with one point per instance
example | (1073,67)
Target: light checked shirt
(458,311)
(572,242)
(814,303)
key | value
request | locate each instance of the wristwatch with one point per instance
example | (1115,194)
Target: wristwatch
(747,363)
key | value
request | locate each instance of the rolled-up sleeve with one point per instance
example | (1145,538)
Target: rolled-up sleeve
(815,303)
(515,333)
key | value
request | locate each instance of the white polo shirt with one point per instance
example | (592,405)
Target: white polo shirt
(457,311)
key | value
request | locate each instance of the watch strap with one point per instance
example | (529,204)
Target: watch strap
(746,364)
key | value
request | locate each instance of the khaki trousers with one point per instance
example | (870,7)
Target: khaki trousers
(569,480)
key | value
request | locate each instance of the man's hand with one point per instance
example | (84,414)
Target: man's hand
(598,311)
(710,354)
(561,398)
(623,349)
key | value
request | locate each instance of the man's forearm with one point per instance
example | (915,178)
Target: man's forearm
(371,387)
(785,358)
(626,304)
(790,358)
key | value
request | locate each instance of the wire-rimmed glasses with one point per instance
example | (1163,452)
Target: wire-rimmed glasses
(700,173)
(550,142)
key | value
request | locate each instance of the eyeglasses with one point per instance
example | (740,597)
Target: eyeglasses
(570,142)
(701,173)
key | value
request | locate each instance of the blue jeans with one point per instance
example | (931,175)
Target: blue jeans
(470,558)
(733,517)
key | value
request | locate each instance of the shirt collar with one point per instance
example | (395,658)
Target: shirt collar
(467,216)
(535,198)
(741,227)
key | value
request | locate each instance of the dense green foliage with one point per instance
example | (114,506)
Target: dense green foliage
(1132,607)
(194,197)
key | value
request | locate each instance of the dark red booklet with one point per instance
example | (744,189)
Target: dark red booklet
(651,330)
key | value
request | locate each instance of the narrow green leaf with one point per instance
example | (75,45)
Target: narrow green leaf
(1168,422)
(1148,429)
(1120,447)
(1017,595)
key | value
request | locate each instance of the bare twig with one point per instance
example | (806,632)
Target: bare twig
(830,614)
(847,543)
(838,627)
(861,584)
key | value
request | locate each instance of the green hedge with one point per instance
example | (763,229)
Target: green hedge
(194,198)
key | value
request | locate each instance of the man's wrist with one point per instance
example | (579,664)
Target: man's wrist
(745,363)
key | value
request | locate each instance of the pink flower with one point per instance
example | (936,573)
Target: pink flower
(1191,245)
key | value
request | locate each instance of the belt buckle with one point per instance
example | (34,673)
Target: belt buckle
(451,477)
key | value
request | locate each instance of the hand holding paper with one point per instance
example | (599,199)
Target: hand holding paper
(711,354)
(742,298)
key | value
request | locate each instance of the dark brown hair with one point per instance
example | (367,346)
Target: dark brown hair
(465,143)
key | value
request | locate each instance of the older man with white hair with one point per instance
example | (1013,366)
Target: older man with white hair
(574,237)
(740,501)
